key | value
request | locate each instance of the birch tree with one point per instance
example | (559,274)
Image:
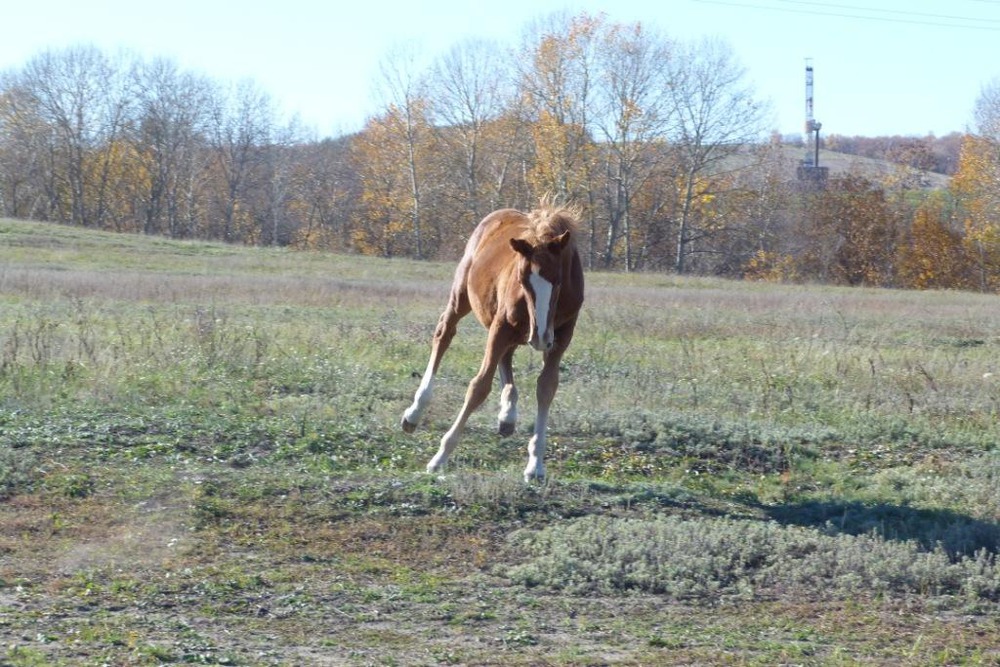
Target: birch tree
(172,119)
(977,186)
(717,115)
(403,87)
(556,78)
(634,122)
(80,99)
(471,90)
(241,121)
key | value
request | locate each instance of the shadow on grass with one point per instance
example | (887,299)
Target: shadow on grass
(956,533)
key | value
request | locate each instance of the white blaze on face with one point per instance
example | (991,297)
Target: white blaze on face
(543,298)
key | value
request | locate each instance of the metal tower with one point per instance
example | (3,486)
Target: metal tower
(809,169)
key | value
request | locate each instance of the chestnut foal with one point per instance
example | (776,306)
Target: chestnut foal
(521,275)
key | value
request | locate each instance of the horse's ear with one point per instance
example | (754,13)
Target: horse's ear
(522,247)
(559,242)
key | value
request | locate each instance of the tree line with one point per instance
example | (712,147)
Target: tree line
(929,153)
(661,143)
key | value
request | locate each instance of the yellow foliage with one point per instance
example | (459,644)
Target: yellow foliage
(770,267)
(561,154)
(934,257)
(382,153)
(113,178)
(976,184)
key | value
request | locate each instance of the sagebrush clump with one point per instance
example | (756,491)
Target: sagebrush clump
(729,558)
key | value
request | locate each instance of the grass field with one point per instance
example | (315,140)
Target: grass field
(200,463)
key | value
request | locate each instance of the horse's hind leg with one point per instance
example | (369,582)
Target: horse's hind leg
(479,389)
(507,419)
(458,307)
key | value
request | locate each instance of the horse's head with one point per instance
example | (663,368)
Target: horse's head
(539,271)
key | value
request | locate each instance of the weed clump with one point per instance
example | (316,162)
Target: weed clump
(645,442)
(18,471)
(720,558)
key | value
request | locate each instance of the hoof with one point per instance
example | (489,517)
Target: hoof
(506,428)
(407,426)
(534,476)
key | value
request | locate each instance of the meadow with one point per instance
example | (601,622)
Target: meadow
(201,463)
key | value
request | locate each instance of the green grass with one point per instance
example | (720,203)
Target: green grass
(200,463)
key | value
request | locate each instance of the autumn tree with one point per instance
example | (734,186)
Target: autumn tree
(64,103)
(754,201)
(634,118)
(657,141)
(934,254)
(470,91)
(977,188)
(389,156)
(556,80)
(241,122)
(167,136)
(122,144)
(326,196)
(847,234)
(23,156)
(406,130)
(505,175)
(928,153)
(280,183)
(716,115)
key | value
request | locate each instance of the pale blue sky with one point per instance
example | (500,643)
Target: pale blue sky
(884,67)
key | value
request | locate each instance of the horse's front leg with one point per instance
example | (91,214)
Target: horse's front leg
(479,388)
(507,419)
(548,382)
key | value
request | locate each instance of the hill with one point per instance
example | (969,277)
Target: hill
(870,168)
(790,156)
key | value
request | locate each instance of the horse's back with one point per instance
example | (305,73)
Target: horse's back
(489,251)
(496,230)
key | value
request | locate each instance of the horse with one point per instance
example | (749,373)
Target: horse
(522,277)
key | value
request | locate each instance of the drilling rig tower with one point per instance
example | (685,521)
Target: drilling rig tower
(809,169)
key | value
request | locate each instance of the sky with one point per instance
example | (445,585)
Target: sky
(906,67)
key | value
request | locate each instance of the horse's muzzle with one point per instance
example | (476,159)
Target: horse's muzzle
(543,344)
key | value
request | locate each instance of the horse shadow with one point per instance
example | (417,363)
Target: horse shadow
(958,534)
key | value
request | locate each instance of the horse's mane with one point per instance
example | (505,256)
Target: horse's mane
(550,220)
